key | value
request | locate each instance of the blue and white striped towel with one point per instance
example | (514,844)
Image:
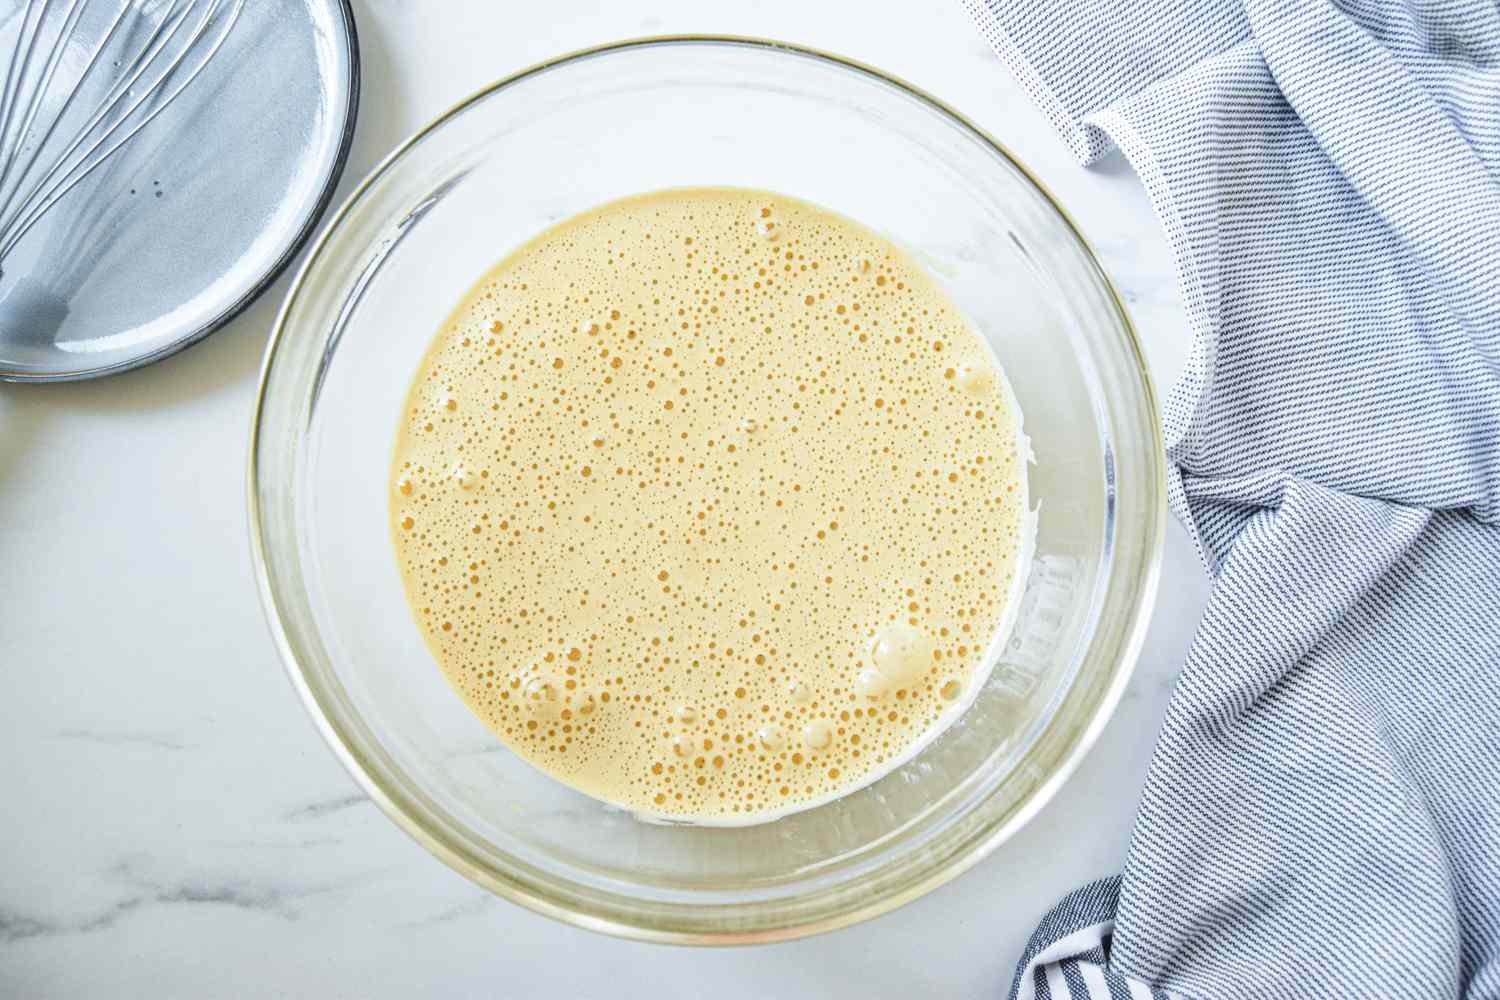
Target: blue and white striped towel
(1322,814)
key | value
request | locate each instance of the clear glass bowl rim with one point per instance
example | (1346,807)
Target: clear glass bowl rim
(643,928)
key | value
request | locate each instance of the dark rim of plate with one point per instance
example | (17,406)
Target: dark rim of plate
(294,247)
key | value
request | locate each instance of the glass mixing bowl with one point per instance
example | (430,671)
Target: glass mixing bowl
(642,115)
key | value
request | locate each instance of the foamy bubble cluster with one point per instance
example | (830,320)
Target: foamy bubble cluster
(708,503)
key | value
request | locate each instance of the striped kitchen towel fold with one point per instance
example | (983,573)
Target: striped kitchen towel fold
(1322,813)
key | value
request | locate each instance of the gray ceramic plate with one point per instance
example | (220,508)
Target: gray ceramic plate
(199,213)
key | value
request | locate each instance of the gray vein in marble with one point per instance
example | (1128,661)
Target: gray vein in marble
(17,926)
(278,845)
(319,810)
(1138,281)
(470,908)
(103,738)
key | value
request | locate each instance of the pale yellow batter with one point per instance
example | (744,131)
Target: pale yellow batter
(709,503)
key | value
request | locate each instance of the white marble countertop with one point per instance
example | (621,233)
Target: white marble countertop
(173,826)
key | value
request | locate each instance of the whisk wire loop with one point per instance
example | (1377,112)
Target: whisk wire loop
(151,72)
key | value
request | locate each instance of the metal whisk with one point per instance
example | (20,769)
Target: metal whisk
(85,77)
